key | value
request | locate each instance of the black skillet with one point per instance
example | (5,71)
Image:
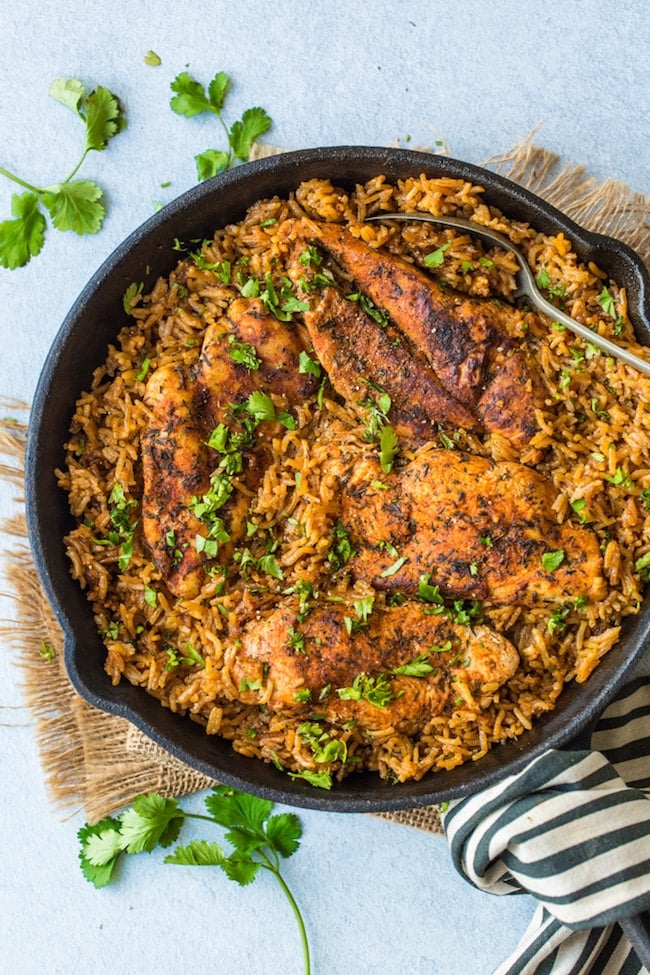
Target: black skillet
(80,346)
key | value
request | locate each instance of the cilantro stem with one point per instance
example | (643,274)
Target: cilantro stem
(77,167)
(294,907)
(39,189)
(273,867)
(21,182)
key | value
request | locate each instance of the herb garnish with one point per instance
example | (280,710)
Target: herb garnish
(461,611)
(261,407)
(375,690)
(131,295)
(642,566)
(436,258)
(191,99)
(552,560)
(191,657)
(362,609)
(122,532)
(607,302)
(73,204)
(378,315)
(259,840)
(244,354)
(341,550)
(545,283)
(324,748)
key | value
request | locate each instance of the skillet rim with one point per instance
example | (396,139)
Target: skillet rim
(76,344)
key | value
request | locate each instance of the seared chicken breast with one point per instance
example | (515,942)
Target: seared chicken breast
(475,528)
(327,666)
(192,504)
(463,339)
(362,358)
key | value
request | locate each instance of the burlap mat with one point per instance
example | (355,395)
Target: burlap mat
(96,762)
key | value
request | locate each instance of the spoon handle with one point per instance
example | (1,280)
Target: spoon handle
(589,336)
(530,286)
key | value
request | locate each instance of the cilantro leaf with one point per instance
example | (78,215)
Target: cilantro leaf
(129,297)
(419,667)
(388,447)
(75,206)
(241,869)
(283,832)
(151,821)
(69,92)
(320,780)
(197,853)
(210,163)
(218,89)
(436,258)
(190,98)
(231,808)
(308,366)
(103,115)
(552,560)
(260,406)
(254,123)
(22,238)
(100,849)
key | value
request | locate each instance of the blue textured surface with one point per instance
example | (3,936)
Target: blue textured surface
(379,898)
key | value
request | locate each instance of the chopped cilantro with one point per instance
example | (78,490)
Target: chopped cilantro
(307,365)
(436,258)
(341,550)
(552,560)
(131,295)
(244,354)
(375,690)
(395,567)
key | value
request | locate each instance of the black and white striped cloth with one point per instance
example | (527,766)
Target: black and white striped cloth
(573,830)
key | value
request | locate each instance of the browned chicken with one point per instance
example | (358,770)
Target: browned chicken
(353,349)
(190,502)
(462,338)
(328,667)
(276,346)
(475,528)
(175,468)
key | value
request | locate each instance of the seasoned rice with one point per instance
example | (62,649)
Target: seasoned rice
(593,443)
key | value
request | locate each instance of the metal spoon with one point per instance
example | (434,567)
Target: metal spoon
(527,284)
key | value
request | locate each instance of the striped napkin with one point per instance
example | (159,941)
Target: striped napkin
(573,830)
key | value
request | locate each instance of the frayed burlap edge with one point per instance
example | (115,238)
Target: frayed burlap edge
(97,763)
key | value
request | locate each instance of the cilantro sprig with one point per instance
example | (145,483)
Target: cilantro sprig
(72,204)
(191,98)
(259,841)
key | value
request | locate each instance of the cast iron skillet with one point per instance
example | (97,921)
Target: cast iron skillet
(80,347)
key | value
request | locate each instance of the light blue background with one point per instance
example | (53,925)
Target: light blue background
(379,899)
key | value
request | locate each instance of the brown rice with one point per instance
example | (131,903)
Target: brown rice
(593,442)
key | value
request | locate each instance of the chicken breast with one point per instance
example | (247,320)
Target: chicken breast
(475,528)
(194,508)
(247,350)
(325,665)
(462,338)
(362,357)
(175,468)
